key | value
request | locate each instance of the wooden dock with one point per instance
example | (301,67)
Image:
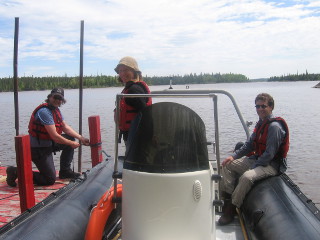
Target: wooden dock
(10,200)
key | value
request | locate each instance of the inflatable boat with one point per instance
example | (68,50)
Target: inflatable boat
(166,189)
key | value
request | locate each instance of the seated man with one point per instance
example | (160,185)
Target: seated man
(267,149)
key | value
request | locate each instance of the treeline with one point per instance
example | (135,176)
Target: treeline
(296,77)
(205,78)
(100,81)
(49,82)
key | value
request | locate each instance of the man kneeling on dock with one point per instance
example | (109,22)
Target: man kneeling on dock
(45,129)
(265,152)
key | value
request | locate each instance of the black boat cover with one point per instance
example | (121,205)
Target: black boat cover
(167,137)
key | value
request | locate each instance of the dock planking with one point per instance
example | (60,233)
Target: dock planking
(10,200)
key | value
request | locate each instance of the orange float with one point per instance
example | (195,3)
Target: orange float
(101,213)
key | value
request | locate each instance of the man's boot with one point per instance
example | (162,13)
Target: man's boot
(12,176)
(228,211)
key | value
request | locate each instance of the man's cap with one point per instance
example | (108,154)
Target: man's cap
(129,62)
(58,91)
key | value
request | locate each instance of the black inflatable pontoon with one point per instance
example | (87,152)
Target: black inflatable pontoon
(65,213)
(276,209)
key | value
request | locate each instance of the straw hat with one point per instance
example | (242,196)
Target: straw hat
(129,62)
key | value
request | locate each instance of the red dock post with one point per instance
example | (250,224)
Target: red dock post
(25,176)
(95,139)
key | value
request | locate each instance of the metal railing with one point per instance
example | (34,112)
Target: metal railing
(183,94)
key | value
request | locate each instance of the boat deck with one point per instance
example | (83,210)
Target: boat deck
(10,200)
(231,231)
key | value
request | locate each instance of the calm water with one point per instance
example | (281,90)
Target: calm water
(296,102)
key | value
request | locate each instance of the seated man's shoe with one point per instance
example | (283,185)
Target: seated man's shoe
(12,176)
(229,212)
(68,174)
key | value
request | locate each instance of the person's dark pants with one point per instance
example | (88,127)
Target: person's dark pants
(66,156)
(43,159)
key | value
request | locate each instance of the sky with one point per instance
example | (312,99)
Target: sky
(256,38)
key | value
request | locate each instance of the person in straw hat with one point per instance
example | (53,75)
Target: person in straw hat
(131,77)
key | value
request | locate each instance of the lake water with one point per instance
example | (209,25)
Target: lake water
(297,102)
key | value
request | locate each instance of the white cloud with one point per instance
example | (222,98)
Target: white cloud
(255,38)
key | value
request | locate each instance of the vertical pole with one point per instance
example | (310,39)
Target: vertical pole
(80,93)
(95,140)
(217,141)
(25,176)
(15,74)
(216,130)
(116,149)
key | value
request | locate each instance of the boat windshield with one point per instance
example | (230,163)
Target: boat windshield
(167,137)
